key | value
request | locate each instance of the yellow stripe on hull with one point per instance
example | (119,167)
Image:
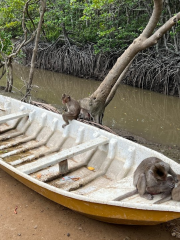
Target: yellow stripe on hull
(101,212)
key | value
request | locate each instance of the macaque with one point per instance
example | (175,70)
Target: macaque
(150,178)
(175,195)
(85,114)
(73,109)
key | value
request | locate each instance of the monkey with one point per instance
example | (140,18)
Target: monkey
(73,108)
(150,173)
(175,195)
(85,114)
(165,187)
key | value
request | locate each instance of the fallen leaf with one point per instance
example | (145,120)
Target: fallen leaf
(91,168)
(15,210)
(75,178)
(38,176)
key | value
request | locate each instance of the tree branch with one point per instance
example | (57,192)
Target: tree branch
(139,44)
(31,72)
(154,19)
(162,30)
(3,71)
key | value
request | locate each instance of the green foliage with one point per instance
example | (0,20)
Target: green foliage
(11,13)
(5,43)
(109,25)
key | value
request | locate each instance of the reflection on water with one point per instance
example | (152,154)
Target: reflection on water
(147,114)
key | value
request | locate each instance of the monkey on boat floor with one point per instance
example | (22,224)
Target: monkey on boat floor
(150,173)
(85,114)
(73,108)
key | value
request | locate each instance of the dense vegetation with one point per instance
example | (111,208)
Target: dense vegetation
(110,25)
(90,34)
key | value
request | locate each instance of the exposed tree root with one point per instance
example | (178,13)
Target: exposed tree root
(156,73)
(81,62)
(159,72)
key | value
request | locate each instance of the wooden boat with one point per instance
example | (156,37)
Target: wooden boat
(81,167)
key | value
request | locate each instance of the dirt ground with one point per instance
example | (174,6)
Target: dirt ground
(25,214)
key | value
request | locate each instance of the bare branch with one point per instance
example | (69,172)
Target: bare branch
(25,41)
(30,19)
(2,45)
(158,6)
(162,30)
(139,44)
(3,72)
(31,73)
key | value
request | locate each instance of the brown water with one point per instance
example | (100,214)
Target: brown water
(151,115)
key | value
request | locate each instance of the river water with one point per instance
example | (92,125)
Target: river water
(151,115)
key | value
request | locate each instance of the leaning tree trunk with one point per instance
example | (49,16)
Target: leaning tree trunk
(97,102)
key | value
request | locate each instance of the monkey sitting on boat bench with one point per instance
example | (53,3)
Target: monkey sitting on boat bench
(150,178)
(74,110)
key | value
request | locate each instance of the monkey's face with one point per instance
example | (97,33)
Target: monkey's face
(65,98)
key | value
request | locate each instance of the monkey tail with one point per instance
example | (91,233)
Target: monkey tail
(126,195)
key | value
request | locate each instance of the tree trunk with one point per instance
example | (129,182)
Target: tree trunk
(31,73)
(9,74)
